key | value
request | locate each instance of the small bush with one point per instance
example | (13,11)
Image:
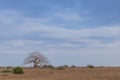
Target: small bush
(48,66)
(6,71)
(90,66)
(60,68)
(73,66)
(65,66)
(8,67)
(18,70)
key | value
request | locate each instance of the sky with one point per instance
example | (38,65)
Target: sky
(72,32)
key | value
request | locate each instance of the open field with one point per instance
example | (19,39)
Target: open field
(66,74)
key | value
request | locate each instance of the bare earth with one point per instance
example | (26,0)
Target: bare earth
(66,74)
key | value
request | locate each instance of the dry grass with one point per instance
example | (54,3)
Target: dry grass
(66,74)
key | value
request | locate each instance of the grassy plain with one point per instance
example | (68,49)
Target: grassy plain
(66,74)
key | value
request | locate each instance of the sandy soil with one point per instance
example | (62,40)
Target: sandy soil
(66,74)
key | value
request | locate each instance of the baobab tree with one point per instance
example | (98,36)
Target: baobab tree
(37,59)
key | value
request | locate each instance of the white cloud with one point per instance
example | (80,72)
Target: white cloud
(21,43)
(69,16)
(9,17)
(71,38)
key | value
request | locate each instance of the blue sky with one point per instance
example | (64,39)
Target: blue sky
(73,32)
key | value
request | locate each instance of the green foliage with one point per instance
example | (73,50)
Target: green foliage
(90,66)
(18,70)
(6,71)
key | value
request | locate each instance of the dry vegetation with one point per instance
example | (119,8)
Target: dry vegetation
(66,74)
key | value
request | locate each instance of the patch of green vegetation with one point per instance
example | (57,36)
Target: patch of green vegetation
(90,66)
(18,70)
(6,71)
(73,66)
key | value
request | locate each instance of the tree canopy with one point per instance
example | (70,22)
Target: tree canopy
(37,59)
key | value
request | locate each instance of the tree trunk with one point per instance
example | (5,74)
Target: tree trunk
(35,65)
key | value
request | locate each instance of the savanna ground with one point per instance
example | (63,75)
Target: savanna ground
(66,74)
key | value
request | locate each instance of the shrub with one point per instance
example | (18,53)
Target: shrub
(60,68)
(65,66)
(73,66)
(48,66)
(18,70)
(90,66)
(8,67)
(6,71)
(51,66)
